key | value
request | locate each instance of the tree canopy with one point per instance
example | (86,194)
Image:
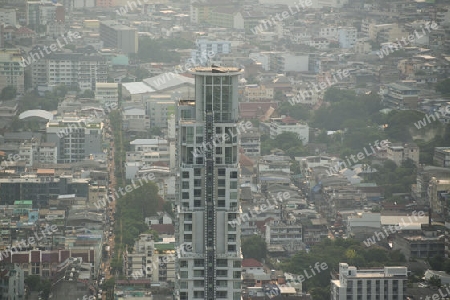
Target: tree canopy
(156,50)
(254,247)
(443,87)
(333,252)
(8,92)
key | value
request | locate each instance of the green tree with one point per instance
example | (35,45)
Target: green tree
(156,50)
(141,74)
(443,87)
(87,94)
(155,131)
(286,141)
(71,47)
(254,247)
(33,281)
(9,92)
(435,281)
(298,111)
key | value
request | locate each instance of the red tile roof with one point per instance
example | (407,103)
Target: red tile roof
(52,257)
(35,256)
(255,109)
(289,120)
(245,161)
(20,258)
(251,263)
(160,164)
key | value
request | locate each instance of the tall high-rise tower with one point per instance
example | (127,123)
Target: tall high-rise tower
(209,257)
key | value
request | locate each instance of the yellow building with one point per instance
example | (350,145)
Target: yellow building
(91,24)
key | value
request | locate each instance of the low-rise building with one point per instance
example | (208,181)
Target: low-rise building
(441,157)
(362,225)
(107,94)
(12,284)
(151,260)
(399,96)
(288,124)
(387,283)
(436,189)
(287,233)
(75,138)
(430,242)
(399,153)
(251,143)
(12,70)
(135,119)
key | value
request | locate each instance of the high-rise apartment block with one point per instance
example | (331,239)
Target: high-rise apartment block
(209,254)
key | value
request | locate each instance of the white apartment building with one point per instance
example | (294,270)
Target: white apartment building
(159,111)
(318,43)
(328,3)
(41,13)
(280,125)
(369,284)
(288,62)
(254,92)
(150,145)
(251,143)
(135,119)
(8,16)
(209,267)
(151,260)
(347,37)
(69,69)
(47,153)
(107,93)
(329,32)
(11,72)
(138,263)
(281,61)
(148,158)
(287,233)
(443,16)
(164,262)
(12,285)
(26,153)
(206,47)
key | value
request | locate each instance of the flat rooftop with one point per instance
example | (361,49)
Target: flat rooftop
(216,70)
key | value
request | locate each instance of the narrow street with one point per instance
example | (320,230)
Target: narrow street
(110,213)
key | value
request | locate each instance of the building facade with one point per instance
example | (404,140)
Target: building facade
(70,69)
(12,73)
(441,157)
(119,36)
(209,265)
(388,283)
(107,94)
(75,138)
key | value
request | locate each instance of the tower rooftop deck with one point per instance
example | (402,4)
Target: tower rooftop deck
(216,70)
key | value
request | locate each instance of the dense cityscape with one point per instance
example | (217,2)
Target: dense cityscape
(240,150)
